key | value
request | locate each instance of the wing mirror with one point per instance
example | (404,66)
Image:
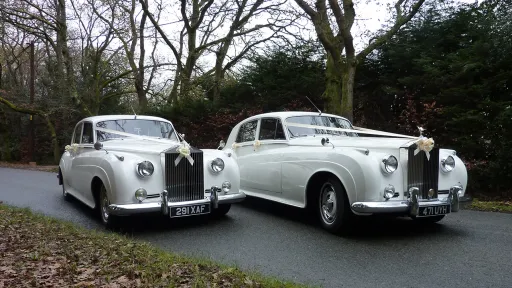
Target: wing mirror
(98,145)
(222,144)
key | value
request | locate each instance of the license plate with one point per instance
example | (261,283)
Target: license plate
(426,211)
(190,210)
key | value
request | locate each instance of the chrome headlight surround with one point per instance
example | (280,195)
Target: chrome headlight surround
(448,164)
(217,165)
(389,164)
(145,169)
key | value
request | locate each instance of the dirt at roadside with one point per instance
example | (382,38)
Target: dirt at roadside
(26,166)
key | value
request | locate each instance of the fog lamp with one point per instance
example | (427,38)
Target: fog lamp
(141,194)
(389,191)
(226,186)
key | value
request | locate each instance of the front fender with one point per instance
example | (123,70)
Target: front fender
(123,178)
(458,176)
(230,173)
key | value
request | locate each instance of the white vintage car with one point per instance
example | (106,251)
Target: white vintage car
(320,161)
(128,164)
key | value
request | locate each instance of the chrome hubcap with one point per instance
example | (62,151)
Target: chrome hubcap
(328,203)
(104,204)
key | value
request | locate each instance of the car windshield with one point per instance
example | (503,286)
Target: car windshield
(140,127)
(324,121)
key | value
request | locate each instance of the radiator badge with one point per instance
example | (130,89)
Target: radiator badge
(430,193)
(184,150)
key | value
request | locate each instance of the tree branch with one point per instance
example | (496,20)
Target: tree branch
(400,21)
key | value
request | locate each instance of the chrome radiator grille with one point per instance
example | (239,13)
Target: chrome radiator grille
(423,173)
(184,182)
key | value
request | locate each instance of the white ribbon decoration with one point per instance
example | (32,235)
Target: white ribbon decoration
(184,150)
(426,145)
(129,135)
(359,130)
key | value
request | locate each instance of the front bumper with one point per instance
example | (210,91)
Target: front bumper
(410,206)
(215,199)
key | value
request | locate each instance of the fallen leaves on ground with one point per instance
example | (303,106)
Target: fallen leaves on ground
(38,251)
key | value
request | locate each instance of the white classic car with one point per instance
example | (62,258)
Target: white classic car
(128,164)
(320,161)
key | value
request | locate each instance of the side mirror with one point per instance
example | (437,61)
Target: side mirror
(98,145)
(182,135)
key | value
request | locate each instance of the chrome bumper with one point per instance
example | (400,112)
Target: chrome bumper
(411,205)
(215,199)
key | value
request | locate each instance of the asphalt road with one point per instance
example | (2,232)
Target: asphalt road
(467,249)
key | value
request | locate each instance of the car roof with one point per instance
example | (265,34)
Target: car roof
(286,114)
(95,119)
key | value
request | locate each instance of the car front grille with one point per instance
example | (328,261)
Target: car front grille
(184,182)
(423,173)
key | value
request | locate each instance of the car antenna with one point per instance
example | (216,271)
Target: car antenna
(135,115)
(314,105)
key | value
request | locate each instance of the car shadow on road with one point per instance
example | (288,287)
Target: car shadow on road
(147,223)
(365,227)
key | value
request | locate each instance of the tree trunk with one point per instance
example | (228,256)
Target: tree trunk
(51,127)
(141,94)
(332,94)
(347,88)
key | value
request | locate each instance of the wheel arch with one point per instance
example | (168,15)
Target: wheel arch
(315,180)
(96,183)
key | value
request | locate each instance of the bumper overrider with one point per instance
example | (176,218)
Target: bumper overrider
(163,206)
(413,205)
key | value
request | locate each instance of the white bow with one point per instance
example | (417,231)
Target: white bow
(426,145)
(184,150)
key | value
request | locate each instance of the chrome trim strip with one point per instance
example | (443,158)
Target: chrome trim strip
(130,209)
(410,205)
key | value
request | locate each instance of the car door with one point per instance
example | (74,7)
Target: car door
(245,154)
(72,178)
(266,158)
(82,164)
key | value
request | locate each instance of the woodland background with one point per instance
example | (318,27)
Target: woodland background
(448,69)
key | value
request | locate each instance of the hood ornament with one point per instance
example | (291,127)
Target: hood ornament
(421,129)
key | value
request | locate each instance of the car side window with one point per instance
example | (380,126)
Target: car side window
(247,132)
(77,134)
(271,129)
(87,137)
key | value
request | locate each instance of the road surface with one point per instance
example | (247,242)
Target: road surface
(467,249)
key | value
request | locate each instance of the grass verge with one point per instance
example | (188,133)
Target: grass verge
(39,251)
(493,206)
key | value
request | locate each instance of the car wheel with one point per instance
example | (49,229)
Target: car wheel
(222,210)
(333,207)
(428,220)
(108,220)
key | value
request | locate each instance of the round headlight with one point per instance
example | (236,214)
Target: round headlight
(141,194)
(448,164)
(145,168)
(217,165)
(389,164)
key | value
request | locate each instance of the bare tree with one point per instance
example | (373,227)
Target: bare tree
(337,37)
(47,21)
(202,28)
